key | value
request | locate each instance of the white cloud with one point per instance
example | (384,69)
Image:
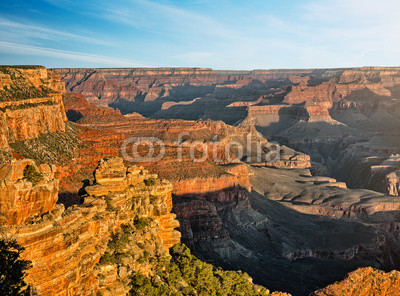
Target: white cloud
(22,49)
(34,30)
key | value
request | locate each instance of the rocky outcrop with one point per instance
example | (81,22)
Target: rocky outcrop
(235,176)
(365,281)
(30,104)
(26,195)
(273,114)
(393,183)
(330,224)
(70,249)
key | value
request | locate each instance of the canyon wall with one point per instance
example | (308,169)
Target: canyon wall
(30,103)
(103,86)
(23,195)
(165,92)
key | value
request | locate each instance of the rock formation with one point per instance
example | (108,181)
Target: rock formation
(30,103)
(237,229)
(25,195)
(69,248)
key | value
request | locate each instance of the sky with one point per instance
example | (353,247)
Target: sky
(225,34)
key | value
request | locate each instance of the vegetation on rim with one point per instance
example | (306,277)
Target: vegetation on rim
(57,147)
(27,106)
(32,175)
(20,89)
(184,274)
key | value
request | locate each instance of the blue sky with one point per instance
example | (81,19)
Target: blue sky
(225,34)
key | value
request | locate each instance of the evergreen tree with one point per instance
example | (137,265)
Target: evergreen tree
(12,269)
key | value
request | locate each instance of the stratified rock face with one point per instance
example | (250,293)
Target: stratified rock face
(81,111)
(103,86)
(268,114)
(20,199)
(199,214)
(30,103)
(184,93)
(105,127)
(65,247)
(365,281)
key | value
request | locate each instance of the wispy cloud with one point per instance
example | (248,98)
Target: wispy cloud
(42,32)
(150,15)
(22,49)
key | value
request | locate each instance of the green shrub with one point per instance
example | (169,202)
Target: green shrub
(142,223)
(27,105)
(150,182)
(32,174)
(184,274)
(121,239)
(117,246)
(54,147)
(109,206)
(108,258)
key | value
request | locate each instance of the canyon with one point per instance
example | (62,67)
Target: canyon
(345,119)
(290,222)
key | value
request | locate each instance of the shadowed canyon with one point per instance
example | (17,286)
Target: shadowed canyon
(309,206)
